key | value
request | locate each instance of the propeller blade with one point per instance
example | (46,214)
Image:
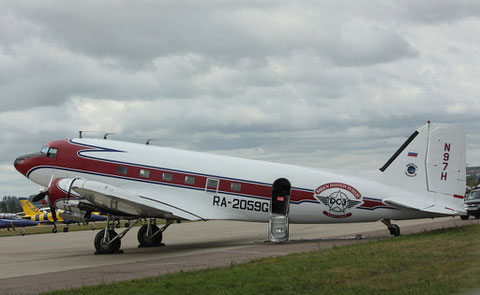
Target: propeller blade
(54,213)
(39,197)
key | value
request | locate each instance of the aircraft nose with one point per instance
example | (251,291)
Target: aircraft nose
(18,161)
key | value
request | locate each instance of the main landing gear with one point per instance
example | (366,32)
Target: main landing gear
(107,241)
(150,235)
(393,228)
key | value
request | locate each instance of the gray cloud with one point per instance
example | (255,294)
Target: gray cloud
(336,84)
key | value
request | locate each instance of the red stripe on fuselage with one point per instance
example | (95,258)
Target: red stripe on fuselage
(68,158)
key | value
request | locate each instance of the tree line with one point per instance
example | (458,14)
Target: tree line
(11,204)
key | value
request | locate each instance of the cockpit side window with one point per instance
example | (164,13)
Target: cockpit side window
(49,152)
(52,153)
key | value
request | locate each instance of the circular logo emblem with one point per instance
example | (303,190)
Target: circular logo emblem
(411,170)
(339,198)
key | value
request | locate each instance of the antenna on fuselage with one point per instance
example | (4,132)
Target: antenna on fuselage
(149,140)
(107,134)
(80,132)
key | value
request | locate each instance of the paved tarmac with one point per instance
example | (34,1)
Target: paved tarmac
(38,263)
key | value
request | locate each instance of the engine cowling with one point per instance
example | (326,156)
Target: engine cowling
(58,192)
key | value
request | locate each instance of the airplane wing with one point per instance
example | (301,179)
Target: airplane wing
(117,200)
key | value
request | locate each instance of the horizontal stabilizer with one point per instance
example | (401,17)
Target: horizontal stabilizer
(422,206)
(409,203)
(443,210)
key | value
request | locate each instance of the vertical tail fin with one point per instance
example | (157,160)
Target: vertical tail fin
(29,208)
(432,165)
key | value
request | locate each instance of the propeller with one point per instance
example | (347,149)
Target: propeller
(44,195)
(40,196)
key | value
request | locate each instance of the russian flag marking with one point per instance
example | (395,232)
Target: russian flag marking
(412,154)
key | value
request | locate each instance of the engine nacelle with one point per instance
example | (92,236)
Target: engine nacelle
(59,195)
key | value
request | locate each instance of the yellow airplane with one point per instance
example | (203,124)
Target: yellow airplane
(34,214)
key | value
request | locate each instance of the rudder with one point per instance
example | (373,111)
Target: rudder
(29,208)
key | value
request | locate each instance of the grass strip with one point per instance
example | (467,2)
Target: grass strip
(438,262)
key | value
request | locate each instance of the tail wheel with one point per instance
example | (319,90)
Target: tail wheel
(394,230)
(103,247)
(145,239)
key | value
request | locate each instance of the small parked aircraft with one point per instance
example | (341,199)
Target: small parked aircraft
(424,178)
(11,222)
(35,214)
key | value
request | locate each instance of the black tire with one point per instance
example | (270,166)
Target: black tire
(146,241)
(464,217)
(477,216)
(106,248)
(54,230)
(65,229)
(117,225)
(394,230)
(127,224)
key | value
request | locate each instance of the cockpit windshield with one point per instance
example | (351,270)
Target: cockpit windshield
(49,151)
(474,195)
(44,150)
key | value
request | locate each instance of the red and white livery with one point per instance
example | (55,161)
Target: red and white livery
(424,178)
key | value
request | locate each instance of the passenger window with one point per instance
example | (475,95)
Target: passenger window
(167,176)
(189,180)
(122,170)
(212,183)
(235,186)
(144,173)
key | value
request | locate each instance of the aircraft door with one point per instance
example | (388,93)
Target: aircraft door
(279,206)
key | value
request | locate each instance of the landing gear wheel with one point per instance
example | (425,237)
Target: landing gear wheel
(464,217)
(65,229)
(127,224)
(394,230)
(117,225)
(54,230)
(106,248)
(477,216)
(148,241)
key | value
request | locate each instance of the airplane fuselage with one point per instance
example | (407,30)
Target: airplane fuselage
(199,186)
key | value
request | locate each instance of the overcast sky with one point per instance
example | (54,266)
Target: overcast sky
(333,84)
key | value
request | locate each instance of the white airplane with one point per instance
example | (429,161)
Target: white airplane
(424,178)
